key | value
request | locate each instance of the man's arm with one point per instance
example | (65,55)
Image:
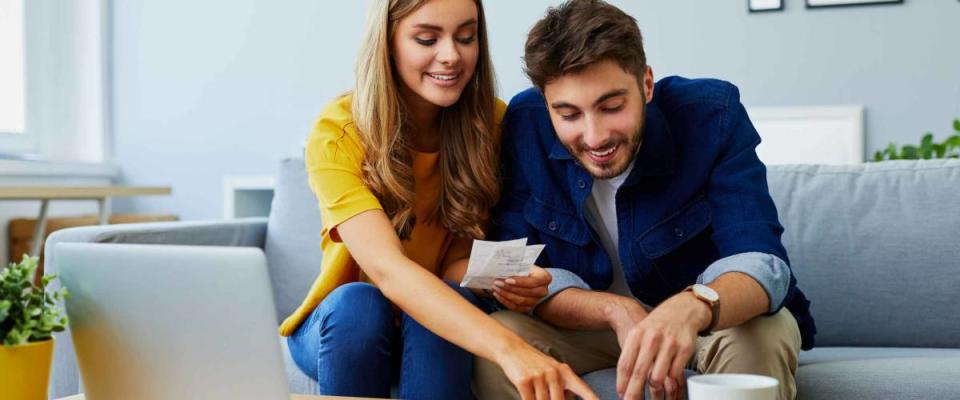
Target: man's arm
(742,299)
(746,228)
(767,270)
(506,218)
(744,220)
(581,309)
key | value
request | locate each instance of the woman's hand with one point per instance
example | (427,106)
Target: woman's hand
(540,377)
(522,293)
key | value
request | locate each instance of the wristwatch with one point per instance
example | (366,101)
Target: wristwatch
(709,296)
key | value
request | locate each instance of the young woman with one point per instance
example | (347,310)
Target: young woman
(404,170)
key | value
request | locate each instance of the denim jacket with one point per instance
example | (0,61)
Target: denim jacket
(697,197)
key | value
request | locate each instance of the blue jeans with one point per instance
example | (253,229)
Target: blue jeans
(355,344)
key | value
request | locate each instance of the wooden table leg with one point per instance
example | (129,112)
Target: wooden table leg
(39,234)
(39,229)
(104,205)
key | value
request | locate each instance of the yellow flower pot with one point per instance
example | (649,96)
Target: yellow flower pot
(25,370)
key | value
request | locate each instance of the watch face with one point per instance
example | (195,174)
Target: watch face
(706,292)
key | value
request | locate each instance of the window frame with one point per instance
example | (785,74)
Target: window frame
(19,143)
(66,83)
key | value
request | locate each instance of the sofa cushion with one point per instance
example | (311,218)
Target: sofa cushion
(841,373)
(293,237)
(888,378)
(830,354)
(875,248)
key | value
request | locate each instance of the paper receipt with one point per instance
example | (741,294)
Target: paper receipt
(490,261)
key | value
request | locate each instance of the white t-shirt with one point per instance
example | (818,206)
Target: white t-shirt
(602,215)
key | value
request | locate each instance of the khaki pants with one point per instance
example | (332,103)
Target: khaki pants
(766,345)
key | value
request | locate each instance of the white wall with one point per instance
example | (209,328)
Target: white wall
(213,88)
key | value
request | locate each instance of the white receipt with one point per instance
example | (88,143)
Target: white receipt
(490,261)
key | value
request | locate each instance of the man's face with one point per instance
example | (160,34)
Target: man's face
(598,114)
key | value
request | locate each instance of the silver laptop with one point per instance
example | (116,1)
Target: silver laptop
(172,322)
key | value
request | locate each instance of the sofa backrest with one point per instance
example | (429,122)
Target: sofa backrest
(876,249)
(293,237)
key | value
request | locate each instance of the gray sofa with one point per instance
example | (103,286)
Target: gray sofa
(876,247)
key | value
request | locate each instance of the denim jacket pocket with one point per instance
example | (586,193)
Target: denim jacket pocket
(676,229)
(555,223)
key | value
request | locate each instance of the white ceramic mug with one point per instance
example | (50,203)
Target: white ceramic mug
(732,387)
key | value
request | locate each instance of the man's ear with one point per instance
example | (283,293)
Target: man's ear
(648,84)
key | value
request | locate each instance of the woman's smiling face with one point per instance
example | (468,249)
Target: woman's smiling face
(435,52)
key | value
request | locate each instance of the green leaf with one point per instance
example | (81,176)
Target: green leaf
(953,141)
(878,156)
(4,310)
(939,150)
(956,125)
(892,152)
(926,147)
(909,153)
(13,337)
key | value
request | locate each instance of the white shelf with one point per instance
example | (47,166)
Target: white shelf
(31,168)
(247,196)
(810,135)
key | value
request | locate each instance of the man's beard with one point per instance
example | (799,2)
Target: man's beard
(629,144)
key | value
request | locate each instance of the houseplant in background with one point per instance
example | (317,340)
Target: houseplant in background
(28,317)
(949,148)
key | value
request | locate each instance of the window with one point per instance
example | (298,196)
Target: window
(53,90)
(12,78)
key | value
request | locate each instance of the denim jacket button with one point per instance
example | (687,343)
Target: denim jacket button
(552,225)
(678,232)
(581,184)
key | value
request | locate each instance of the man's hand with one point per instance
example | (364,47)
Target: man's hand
(623,314)
(522,293)
(656,350)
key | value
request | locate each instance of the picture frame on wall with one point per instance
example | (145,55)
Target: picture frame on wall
(847,3)
(764,5)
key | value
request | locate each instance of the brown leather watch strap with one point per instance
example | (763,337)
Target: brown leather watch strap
(714,310)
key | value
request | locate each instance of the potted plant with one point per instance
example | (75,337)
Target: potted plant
(28,317)
(949,148)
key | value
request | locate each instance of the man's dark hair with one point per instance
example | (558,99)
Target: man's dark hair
(578,34)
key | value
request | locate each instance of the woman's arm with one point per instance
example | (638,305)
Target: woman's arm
(377,250)
(371,240)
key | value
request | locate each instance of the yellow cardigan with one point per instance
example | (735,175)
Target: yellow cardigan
(334,157)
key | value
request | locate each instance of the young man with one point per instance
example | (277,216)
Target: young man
(662,237)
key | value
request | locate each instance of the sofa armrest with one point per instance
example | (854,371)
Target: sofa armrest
(239,232)
(251,232)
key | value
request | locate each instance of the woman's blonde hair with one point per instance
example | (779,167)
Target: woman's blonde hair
(469,155)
